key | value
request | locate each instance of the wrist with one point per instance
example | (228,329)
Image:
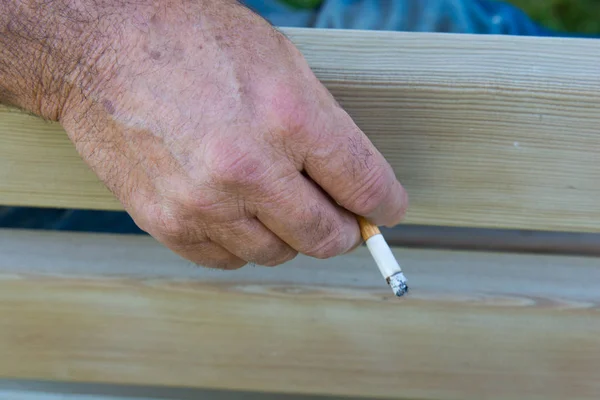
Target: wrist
(47,50)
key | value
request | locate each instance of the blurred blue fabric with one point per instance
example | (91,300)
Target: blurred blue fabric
(454,16)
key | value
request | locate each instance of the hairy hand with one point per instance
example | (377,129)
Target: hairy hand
(213,132)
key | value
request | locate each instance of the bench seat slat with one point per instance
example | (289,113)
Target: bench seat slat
(125,310)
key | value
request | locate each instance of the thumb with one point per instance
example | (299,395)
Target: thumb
(346,165)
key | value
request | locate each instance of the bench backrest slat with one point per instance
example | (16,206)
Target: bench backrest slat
(484,131)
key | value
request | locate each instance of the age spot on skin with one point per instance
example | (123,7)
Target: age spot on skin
(108,106)
(155,55)
(155,19)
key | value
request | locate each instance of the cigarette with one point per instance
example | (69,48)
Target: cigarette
(384,258)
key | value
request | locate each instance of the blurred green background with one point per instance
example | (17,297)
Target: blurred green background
(575,16)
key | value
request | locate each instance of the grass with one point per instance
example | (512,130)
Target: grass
(574,16)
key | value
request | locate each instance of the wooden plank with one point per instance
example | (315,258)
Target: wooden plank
(125,310)
(26,395)
(497,240)
(15,389)
(485,131)
(23,395)
(53,390)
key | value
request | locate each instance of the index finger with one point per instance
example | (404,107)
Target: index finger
(346,164)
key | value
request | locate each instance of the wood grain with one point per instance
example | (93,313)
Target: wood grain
(125,310)
(485,131)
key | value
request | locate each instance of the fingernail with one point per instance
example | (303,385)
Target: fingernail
(356,240)
(401,214)
(354,247)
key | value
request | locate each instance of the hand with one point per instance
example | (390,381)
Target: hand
(213,132)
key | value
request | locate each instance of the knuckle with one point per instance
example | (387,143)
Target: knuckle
(202,203)
(208,255)
(235,167)
(227,263)
(331,246)
(288,109)
(267,250)
(371,194)
(162,221)
(326,238)
(280,257)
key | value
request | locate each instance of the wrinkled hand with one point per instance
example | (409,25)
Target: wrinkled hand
(213,132)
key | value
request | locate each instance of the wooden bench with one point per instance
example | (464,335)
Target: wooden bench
(486,132)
